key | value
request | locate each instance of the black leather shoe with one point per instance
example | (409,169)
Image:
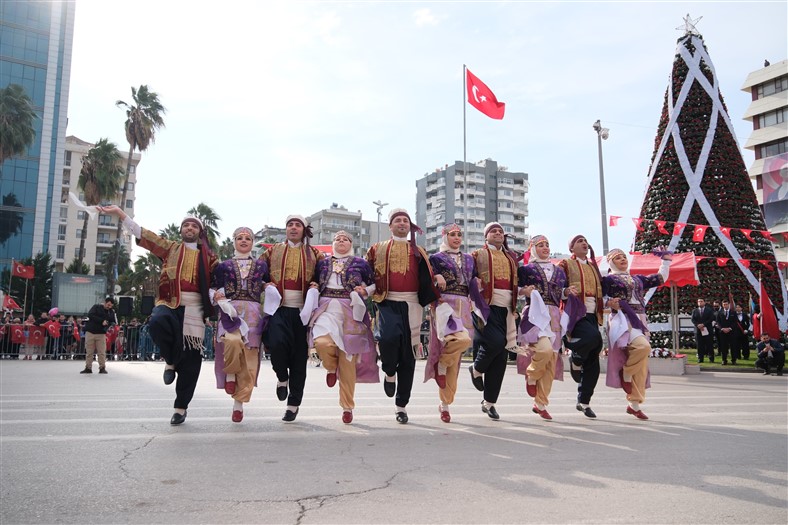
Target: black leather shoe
(281,394)
(389,387)
(290,416)
(402,418)
(169,377)
(87,371)
(102,370)
(586,411)
(177,418)
(478,382)
(491,412)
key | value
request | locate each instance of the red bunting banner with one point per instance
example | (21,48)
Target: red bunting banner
(722,261)
(661,227)
(745,262)
(747,233)
(614,220)
(768,235)
(725,231)
(678,227)
(699,233)
(637,224)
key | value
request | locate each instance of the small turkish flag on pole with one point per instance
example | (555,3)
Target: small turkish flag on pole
(482,98)
(20,270)
(614,220)
(9,303)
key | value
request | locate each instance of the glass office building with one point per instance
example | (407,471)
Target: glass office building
(35,52)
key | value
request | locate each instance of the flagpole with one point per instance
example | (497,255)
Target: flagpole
(24,306)
(466,237)
(11,276)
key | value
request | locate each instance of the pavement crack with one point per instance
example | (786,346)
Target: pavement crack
(127,454)
(320,500)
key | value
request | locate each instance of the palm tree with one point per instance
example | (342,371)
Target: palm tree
(116,253)
(16,121)
(226,250)
(171,232)
(209,219)
(99,180)
(73,268)
(146,270)
(143,118)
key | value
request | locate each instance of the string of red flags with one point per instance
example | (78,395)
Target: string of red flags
(698,230)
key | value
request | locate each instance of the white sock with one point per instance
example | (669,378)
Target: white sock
(488,405)
(443,407)
(627,378)
(635,405)
(281,383)
(169,367)
(237,405)
(583,405)
(442,369)
(291,408)
(391,379)
(230,377)
(400,409)
(475,372)
(540,406)
(180,411)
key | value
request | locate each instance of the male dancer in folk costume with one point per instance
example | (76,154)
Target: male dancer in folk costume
(340,325)
(627,362)
(403,287)
(584,340)
(497,269)
(542,326)
(291,265)
(236,288)
(177,323)
(451,323)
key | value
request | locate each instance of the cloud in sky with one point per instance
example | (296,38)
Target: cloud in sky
(280,108)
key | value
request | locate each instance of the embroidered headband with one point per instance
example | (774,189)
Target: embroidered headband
(450,228)
(615,251)
(243,229)
(343,233)
(575,239)
(490,226)
(192,218)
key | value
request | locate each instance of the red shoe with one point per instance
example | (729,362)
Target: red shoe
(626,385)
(347,416)
(439,378)
(331,379)
(229,387)
(238,416)
(445,416)
(530,389)
(544,414)
(637,413)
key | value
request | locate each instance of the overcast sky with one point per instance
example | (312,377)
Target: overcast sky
(277,108)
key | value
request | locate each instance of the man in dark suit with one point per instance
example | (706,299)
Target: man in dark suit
(726,320)
(740,345)
(703,318)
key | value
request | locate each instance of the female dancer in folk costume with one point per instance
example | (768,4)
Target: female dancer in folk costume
(451,324)
(236,288)
(340,325)
(627,364)
(542,324)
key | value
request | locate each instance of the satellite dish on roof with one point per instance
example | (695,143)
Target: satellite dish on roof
(117,288)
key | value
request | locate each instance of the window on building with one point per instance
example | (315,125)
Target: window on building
(129,186)
(81,215)
(105,220)
(773,118)
(775,148)
(64,213)
(79,233)
(129,204)
(103,238)
(61,252)
(68,158)
(132,169)
(61,232)
(773,86)
(76,252)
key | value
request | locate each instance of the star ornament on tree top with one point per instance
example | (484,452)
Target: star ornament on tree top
(689,25)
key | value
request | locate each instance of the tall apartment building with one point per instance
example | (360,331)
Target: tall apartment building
(102,230)
(493,194)
(325,223)
(768,113)
(35,52)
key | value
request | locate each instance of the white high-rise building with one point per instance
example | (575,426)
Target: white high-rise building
(493,194)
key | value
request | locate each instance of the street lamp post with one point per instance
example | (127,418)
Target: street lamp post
(380,206)
(602,134)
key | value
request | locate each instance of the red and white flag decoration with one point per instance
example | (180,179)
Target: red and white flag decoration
(614,220)
(699,233)
(661,227)
(747,233)
(637,221)
(9,303)
(20,270)
(678,227)
(722,261)
(482,98)
(725,231)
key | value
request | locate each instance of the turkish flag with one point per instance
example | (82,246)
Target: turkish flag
(768,319)
(482,98)
(661,227)
(785,237)
(614,220)
(768,235)
(17,334)
(699,233)
(725,231)
(782,265)
(747,234)
(20,270)
(722,261)
(638,222)
(678,227)
(745,262)
(10,304)
(36,336)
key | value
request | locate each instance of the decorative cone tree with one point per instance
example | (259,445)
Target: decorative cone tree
(698,179)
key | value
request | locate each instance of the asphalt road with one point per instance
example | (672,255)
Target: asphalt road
(100,449)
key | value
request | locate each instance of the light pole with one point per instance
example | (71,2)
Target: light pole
(380,206)
(602,134)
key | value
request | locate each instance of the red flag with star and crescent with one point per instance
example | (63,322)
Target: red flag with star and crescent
(20,270)
(10,304)
(482,98)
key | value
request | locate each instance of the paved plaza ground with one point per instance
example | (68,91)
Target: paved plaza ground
(100,449)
